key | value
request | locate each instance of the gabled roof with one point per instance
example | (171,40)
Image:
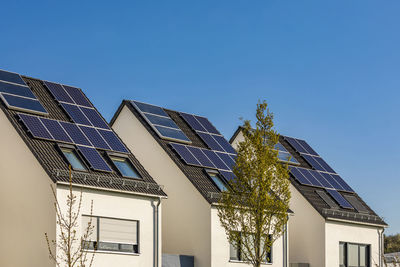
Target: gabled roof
(53,162)
(311,194)
(197,175)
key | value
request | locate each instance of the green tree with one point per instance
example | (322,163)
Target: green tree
(70,250)
(253,209)
(392,243)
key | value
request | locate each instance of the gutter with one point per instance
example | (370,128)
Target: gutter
(381,246)
(156,223)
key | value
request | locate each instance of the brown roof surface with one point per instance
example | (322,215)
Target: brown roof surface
(56,167)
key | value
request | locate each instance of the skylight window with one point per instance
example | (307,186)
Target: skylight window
(125,167)
(73,159)
(217,180)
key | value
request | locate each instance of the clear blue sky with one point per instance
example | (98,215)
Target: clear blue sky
(328,69)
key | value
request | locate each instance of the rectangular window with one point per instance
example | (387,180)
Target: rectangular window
(73,159)
(235,254)
(125,167)
(217,180)
(354,255)
(111,234)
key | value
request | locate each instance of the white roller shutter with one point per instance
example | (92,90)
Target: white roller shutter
(118,231)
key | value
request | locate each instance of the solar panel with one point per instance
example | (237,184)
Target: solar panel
(23,104)
(201,157)
(147,108)
(11,77)
(75,114)
(225,144)
(56,130)
(328,200)
(215,159)
(17,90)
(324,164)
(207,125)
(77,95)
(295,145)
(342,183)
(35,127)
(227,175)
(94,117)
(210,141)
(113,141)
(321,179)
(193,122)
(313,162)
(161,122)
(58,92)
(339,199)
(94,137)
(226,159)
(310,177)
(75,133)
(307,147)
(332,181)
(299,176)
(185,154)
(94,159)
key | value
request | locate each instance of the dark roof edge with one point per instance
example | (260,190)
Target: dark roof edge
(235,134)
(116,114)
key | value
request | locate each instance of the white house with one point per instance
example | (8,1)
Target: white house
(44,128)
(332,226)
(189,156)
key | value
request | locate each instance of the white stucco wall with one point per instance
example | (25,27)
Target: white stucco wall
(306,232)
(119,206)
(354,233)
(186,227)
(26,205)
(220,246)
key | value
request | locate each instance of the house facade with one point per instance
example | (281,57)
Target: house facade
(45,128)
(193,171)
(332,226)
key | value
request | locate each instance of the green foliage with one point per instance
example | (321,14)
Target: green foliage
(392,243)
(256,203)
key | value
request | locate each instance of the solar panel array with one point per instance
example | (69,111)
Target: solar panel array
(17,95)
(76,105)
(208,133)
(339,199)
(160,122)
(206,158)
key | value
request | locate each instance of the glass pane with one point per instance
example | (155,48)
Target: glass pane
(352,255)
(73,160)
(220,184)
(125,167)
(108,246)
(342,256)
(233,253)
(127,248)
(363,256)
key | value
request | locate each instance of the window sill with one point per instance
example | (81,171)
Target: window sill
(112,252)
(246,262)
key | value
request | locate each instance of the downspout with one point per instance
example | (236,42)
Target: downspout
(285,244)
(381,246)
(156,220)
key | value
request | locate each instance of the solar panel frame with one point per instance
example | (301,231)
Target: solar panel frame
(16,89)
(35,126)
(193,122)
(94,137)
(77,136)
(207,125)
(201,157)
(23,104)
(94,159)
(75,114)
(185,154)
(11,77)
(56,130)
(77,96)
(339,199)
(94,117)
(113,141)
(58,92)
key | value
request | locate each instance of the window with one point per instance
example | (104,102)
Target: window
(353,255)
(111,234)
(235,254)
(125,167)
(217,180)
(73,159)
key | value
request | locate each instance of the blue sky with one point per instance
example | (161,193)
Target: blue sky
(328,69)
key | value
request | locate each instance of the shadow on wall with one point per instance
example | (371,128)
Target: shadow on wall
(169,260)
